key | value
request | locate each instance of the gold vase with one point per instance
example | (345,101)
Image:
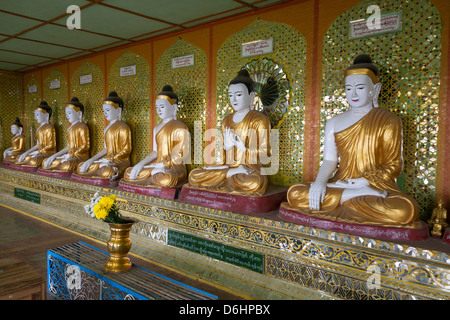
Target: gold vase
(119,245)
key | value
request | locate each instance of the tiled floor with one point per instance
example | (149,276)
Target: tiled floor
(28,238)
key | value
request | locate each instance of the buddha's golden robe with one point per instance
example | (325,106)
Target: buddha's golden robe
(118,149)
(372,149)
(254,131)
(79,144)
(17,148)
(173,143)
(46,141)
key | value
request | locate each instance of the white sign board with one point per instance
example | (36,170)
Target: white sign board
(389,23)
(257,48)
(183,61)
(55,84)
(128,71)
(32,89)
(87,78)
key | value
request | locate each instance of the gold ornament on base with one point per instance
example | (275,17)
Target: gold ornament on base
(438,221)
(119,244)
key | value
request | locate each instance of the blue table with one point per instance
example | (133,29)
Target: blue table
(75,272)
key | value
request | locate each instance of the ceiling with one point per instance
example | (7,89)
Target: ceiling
(34,33)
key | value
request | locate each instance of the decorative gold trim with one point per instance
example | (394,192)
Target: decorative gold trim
(364,71)
(41,110)
(171,100)
(77,109)
(115,105)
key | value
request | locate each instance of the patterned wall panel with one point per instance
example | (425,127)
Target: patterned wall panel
(189,83)
(32,99)
(57,98)
(11,98)
(409,63)
(287,65)
(135,92)
(91,95)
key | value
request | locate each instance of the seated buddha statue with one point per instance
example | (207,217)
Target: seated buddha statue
(165,165)
(46,139)
(246,135)
(364,143)
(77,149)
(112,161)
(17,143)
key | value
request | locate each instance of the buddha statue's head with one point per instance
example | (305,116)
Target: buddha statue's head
(74,110)
(42,113)
(167,103)
(113,107)
(240,91)
(16,128)
(362,87)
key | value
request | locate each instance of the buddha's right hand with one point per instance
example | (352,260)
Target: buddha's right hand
(85,166)
(49,161)
(317,193)
(135,171)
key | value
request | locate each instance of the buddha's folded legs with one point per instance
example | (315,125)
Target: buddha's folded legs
(95,171)
(169,179)
(69,165)
(254,183)
(395,209)
(34,161)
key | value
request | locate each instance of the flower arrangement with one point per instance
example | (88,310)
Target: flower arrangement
(104,208)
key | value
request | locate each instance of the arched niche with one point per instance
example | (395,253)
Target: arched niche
(409,63)
(189,82)
(280,87)
(55,93)
(134,89)
(91,95)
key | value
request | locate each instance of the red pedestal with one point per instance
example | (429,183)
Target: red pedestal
(103,182)
(446,237)
(23,168)
(166,193)
(54,174)
(418,233)
(7,163)
(234,203)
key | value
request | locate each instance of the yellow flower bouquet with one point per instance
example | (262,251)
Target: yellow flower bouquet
(104,208)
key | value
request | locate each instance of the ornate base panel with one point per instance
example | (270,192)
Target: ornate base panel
(255,256)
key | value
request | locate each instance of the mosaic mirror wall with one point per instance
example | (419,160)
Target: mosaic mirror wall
(409,62)
(134,89)
(56,99)
(280,88)
(91,95)
(11,97)
(189,83)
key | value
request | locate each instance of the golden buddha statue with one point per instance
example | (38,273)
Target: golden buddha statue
(367,140)
(46,139)
(438,221)
(17,143)
(78,146)
(112,161)
(246,135)
(165,165)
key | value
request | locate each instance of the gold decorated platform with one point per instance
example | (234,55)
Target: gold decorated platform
(259,257)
